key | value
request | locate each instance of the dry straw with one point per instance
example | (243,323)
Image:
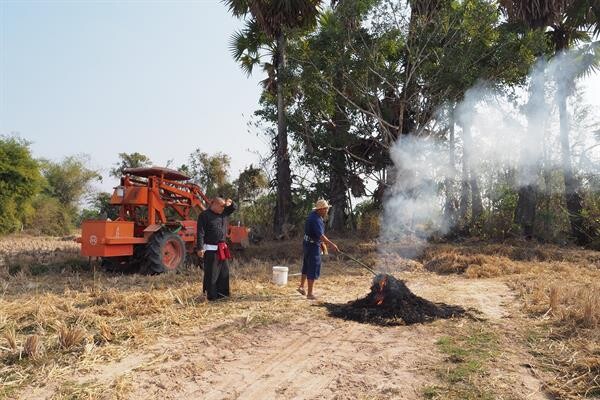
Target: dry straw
(11,337)
(33,347)
(69,337)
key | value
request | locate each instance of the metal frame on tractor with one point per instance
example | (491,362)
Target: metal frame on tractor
(156,227)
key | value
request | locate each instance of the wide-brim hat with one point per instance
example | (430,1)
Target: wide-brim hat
(320,204)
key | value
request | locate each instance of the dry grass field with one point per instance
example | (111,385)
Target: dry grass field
(69,333)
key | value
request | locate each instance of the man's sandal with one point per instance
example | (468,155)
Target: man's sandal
(311,297)
(301,291)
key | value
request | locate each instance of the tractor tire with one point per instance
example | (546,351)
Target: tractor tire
(165,252)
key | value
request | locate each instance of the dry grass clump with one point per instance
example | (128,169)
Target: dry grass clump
(533,251)
(11,337)
(494,267)
(33,347)
(518,251)
(565,300)
(451,261)
(70,336)
(105,332)
(571,304)
(392,262)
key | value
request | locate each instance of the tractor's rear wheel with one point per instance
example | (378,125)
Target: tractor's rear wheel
(165,252)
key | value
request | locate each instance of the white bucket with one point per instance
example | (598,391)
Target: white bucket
(280,275)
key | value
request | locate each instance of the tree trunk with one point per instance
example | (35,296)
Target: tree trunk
(337,161)
(469,181)
(283,175)
(572,187)
(476,204)
(450,206)
(337,187)
(528,195)
(525,211)
(463,206)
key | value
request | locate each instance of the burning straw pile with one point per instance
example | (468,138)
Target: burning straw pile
(390,303)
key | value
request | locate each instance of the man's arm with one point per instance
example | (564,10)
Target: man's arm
(230,207)
(200,235)
(324,239)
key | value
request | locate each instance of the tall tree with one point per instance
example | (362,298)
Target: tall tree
(320,121)
(271,21)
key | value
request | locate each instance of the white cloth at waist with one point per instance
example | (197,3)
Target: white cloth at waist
(210,247)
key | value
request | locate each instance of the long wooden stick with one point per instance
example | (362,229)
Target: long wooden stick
(359,262)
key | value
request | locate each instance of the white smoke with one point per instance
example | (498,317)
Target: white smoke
(499,134)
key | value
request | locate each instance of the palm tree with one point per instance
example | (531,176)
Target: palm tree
(268,25)
(570,22)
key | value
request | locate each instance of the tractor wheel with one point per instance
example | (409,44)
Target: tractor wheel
(165,252)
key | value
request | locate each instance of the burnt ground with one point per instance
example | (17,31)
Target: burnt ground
(390,302)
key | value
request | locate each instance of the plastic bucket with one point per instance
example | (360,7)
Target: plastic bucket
(280,275)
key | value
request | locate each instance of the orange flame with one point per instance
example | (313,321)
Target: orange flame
(380,296)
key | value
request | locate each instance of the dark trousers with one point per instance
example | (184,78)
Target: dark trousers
(216,276)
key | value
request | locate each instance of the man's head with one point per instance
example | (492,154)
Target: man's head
(322,207)
(217,205)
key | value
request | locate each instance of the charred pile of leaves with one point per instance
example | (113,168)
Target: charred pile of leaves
(390,303)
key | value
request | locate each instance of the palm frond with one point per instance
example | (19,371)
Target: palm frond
(238,8)
(248,62)
(535,13)
(587,59)
(245,46)
(584,14)
(273,17)
(238,44)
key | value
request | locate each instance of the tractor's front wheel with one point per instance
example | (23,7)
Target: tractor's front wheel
(165,252)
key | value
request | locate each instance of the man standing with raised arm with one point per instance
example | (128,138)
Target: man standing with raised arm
(211,245)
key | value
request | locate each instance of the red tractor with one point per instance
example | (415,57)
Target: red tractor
(156,227)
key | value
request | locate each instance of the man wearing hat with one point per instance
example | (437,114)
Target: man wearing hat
(314,239)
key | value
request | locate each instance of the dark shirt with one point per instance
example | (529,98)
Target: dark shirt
(212,227)
(314,227)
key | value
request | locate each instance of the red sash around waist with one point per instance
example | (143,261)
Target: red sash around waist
(223,251)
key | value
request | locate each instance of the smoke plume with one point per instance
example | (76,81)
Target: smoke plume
(504,137)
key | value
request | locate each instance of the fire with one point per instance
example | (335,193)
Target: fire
(380,296)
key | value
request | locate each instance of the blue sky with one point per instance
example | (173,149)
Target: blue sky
(108,77)
(104,77)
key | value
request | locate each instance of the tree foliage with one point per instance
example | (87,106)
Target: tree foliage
(69,180)
(269,25)
(250,183)
(20,181)
(129,160)
(210,171)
